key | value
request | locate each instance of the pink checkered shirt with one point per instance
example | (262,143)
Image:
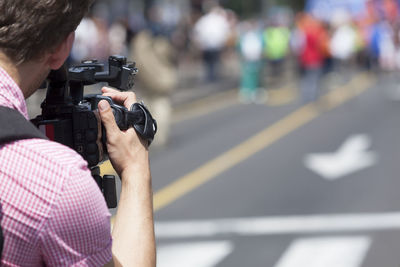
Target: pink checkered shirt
(53,212)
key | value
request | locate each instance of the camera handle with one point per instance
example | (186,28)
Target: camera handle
(107,186)
(138,116)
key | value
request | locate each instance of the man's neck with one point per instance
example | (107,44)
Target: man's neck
(24,75)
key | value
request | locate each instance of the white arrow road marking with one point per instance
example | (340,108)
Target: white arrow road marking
(326,252)
(200,254)
(279,225)
(351,157)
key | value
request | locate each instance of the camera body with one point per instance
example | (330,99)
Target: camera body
(72,119)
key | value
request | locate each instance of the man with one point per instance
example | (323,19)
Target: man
(52,212)
(155,56)
(312,56)
(210,34)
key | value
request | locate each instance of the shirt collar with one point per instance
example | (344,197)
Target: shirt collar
(11,95)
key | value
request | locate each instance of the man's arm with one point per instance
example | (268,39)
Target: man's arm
(133,231)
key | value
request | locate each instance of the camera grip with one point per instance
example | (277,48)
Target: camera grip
(138,117)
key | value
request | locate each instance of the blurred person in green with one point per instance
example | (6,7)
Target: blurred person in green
(277,43)
(250,48)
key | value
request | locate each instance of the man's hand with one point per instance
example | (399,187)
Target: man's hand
(133,232)
(125,148)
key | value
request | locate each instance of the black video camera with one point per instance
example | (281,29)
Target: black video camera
(72,119)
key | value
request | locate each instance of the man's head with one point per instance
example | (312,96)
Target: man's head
(37,36)
(31,28)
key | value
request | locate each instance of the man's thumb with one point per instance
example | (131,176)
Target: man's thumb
(107,116)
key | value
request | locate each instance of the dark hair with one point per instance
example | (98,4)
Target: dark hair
(29,28)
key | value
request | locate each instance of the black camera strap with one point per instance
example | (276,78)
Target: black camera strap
(15,127)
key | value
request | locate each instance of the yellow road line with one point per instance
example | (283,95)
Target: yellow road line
(232,157)
(258,142)
(354,88)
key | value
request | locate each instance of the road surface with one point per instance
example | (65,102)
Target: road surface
(283,185)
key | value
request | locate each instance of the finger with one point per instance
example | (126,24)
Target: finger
(125,98)
(109,90)
(107,117)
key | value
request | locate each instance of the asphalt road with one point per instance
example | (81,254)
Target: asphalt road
(284,186)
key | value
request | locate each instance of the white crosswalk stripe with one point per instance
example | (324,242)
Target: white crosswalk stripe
(198,254)
(326,252)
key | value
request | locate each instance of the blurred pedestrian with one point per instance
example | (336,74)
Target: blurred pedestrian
(91,40)
(276,38)
(311,57)
(86,37)
(297,41)
(251,55)
(387,55)
(343,44)
(210,34)
(118,38)
(157,76)
(381,44)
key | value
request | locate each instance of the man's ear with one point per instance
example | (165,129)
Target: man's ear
(57,57)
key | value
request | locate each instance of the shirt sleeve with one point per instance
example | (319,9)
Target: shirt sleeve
(78,231)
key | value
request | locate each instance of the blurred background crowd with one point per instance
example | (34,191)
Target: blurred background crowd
(260,44)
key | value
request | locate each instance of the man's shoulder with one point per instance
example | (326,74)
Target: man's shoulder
(44,152)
